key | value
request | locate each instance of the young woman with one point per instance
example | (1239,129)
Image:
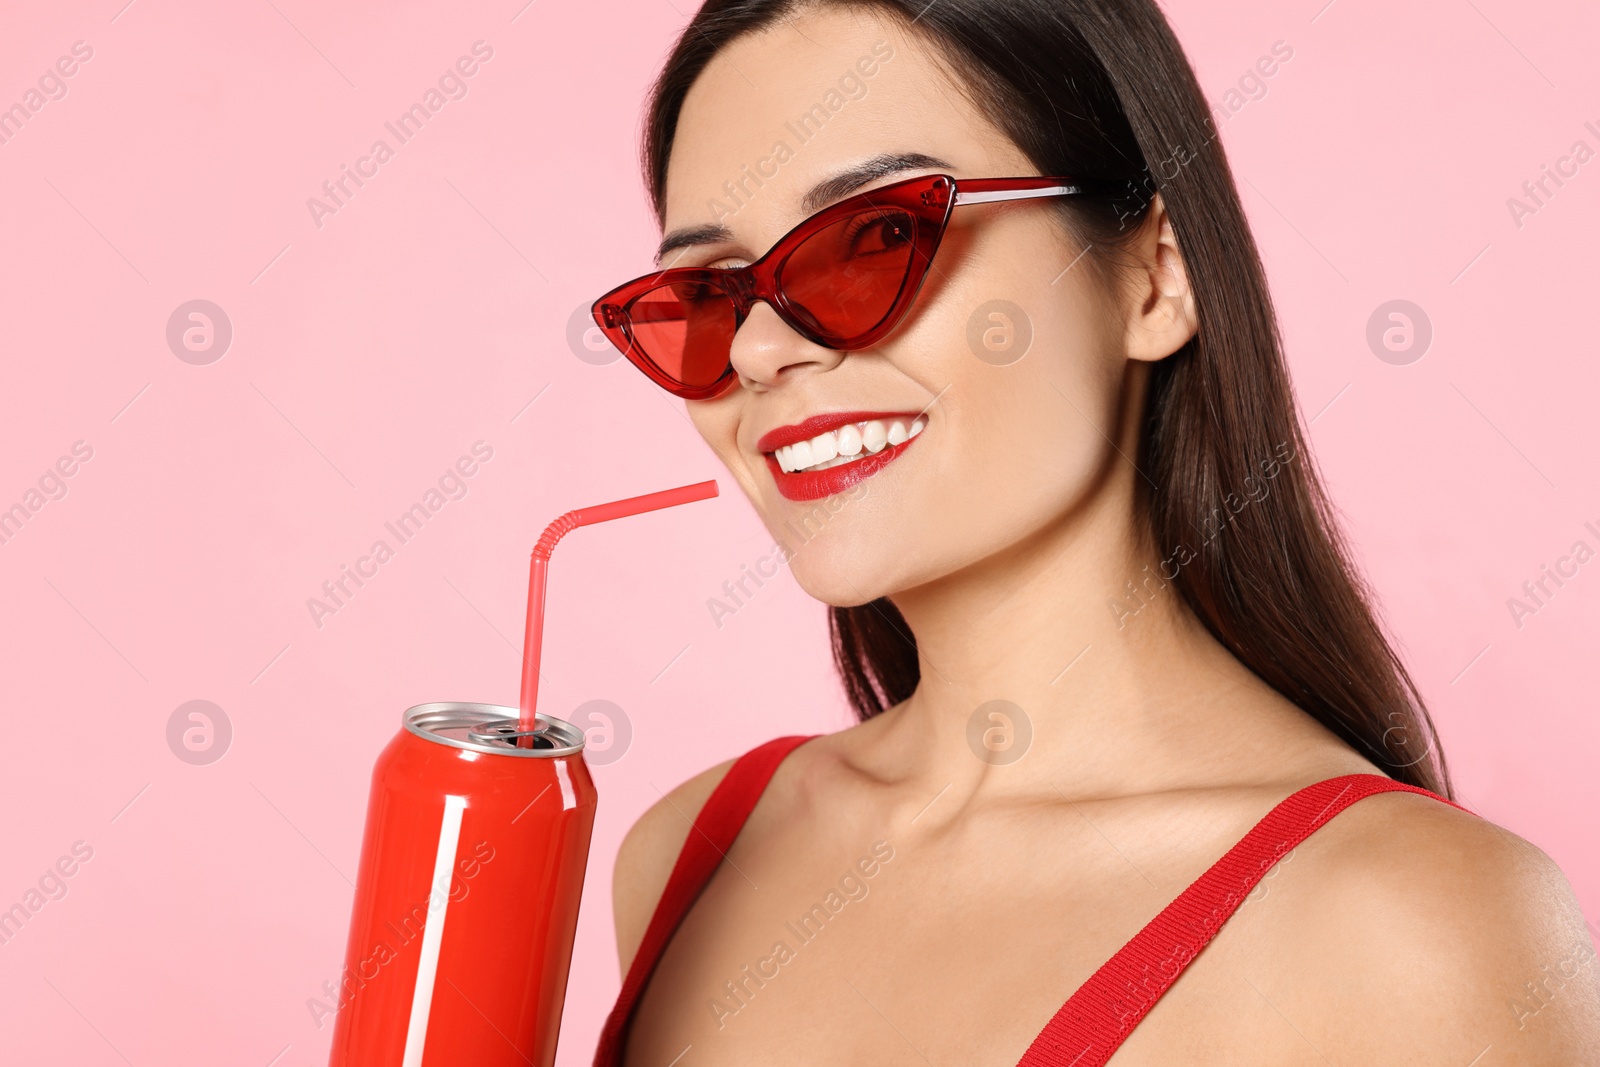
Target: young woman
(963,296)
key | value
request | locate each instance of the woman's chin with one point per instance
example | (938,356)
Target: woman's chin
(849,583)
(837,587)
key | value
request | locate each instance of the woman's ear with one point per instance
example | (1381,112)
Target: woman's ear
(1163,317)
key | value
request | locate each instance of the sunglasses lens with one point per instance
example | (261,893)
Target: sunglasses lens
(845,278)
(838,284)
(686,330)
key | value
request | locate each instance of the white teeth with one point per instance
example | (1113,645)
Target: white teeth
(847,443)
(849,440)
(874,436)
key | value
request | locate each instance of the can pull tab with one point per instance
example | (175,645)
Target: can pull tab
(509,732)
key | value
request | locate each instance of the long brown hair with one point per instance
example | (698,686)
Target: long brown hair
(1101,88)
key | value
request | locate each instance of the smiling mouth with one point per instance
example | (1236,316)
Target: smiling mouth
(828,454)
(850,443)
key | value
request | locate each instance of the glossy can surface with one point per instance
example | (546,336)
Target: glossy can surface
(467,895)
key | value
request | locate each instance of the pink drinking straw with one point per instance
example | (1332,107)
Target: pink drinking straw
(537,572)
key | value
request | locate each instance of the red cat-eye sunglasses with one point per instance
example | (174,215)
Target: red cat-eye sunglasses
(843,279)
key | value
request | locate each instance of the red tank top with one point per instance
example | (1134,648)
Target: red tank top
(1097,1018)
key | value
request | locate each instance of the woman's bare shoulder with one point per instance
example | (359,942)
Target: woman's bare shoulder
(647,854)
(1426,934)
(651,846)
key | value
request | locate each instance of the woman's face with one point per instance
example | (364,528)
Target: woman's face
(1007,446)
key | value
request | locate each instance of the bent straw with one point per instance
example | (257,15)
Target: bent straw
(538,572)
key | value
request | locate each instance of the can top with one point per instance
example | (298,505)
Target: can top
(491,728)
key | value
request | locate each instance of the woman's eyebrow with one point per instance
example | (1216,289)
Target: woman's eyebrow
(816,198)
(693,235)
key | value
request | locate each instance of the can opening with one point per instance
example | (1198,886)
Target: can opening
(507,733)
(492,729)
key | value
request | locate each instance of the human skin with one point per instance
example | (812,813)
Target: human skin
(1399,933)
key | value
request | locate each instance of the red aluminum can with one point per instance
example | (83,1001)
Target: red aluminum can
(467,895)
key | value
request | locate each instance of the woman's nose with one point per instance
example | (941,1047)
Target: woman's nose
(767,352)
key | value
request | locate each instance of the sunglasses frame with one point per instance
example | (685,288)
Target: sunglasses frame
(928,200)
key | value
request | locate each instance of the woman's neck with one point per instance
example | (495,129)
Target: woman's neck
(1110,684)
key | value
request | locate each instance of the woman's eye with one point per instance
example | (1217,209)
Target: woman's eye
(726,262)
(880,234)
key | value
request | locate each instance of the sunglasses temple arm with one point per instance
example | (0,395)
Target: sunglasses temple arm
(972,192)
(964,196)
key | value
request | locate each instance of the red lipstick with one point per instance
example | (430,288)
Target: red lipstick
(813,485)
(773,440)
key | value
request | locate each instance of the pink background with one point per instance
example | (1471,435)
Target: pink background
(426,314)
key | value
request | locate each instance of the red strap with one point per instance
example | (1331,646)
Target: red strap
(715,827)
(1103,1012)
